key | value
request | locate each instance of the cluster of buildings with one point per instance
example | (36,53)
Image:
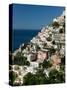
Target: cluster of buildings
(50,38)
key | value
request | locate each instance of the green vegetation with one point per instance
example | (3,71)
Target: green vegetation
(37,47)
(56,76)
(40,77)
(49,39)
(46,64)
(12,77)
(21,60)
(52,50)
(61,31)
(53,42)
(55,24)
(64,24)
(47,72)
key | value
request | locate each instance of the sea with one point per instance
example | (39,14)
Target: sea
(22,36)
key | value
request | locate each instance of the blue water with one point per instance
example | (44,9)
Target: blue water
(22,36)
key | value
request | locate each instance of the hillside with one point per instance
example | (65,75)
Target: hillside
(42,60)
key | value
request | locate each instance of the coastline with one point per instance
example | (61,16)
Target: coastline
(44,53)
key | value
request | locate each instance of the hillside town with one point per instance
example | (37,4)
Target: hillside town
(47,46)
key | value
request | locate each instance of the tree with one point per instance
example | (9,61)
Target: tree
(55,24)
(27,63)
(21,60)
(52,50)
(56,76)
(29,79)
(41,78)
(37,47)
(63,60)
(38,78)
(53,42)
(49,39)
(46,64)
(12,77)
(64,24)
(61,31)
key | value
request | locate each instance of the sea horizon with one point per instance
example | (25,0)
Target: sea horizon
(28,29)
(22,36)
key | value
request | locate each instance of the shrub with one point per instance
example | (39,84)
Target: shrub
(53,42)
(55,24)
(61,31)
(49,39)
(12,77)
(29,79)
(46,64)
(27,63)
(41,78)
(38,78)
(56,76)
(21,60)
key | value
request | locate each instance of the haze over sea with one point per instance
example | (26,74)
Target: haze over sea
(22,36)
